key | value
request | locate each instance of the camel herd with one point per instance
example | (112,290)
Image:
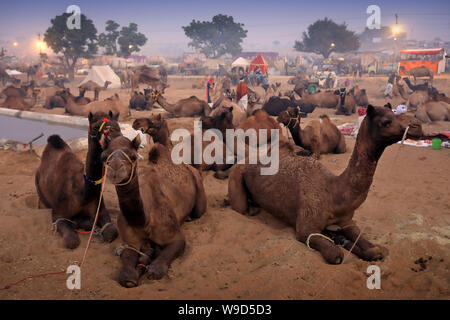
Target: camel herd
(156,196)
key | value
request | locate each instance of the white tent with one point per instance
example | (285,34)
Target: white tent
(240,62)
(100,74)
(13,72)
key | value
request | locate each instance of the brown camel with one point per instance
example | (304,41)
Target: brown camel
(59,100)
(156,78)
(93,86)
(111,104)
(224,103)
(189,107)
(347,104)
(16,99)
(324,99)
(320,136)
(153,209)
(126,78)
(433,111)
(360,96)
(310,198)
(417,72)
(417,98)
(72,193)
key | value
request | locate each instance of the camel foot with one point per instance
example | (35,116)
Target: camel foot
(71,240)
(110,233)
(156,271)
(333,255)
(372,254)
(128,278)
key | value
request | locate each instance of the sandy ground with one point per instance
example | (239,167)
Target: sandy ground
(231,256)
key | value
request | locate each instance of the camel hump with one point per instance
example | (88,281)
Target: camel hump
(324,117)
(56,142)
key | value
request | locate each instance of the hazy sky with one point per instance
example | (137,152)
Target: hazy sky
(266,21)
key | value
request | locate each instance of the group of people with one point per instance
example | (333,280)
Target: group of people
(241,92)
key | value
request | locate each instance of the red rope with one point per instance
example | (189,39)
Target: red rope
(31,277)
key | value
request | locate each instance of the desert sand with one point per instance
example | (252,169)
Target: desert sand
(231,256)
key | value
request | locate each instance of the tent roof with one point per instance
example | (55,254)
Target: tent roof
(240,62)
(423,51)
(100,74)
(260,62)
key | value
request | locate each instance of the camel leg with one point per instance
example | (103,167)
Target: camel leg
(66,229)
(200,196)
(304,227)
(237,191)
(341,147)
(109,233)
(128,275)
(315,140)
(367,251)
(159,267)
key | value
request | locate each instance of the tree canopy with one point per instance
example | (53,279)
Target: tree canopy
(108,39)
(325,36)
(217,37)
(71,43)
(130,40)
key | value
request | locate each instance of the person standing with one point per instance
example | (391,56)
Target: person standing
(242,94)
(390,86)
(209,87)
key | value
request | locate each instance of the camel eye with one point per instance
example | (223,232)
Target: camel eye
(387,123)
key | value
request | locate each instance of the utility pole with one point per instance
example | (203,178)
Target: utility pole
(395,37)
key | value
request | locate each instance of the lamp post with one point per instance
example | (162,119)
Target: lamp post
(395,32)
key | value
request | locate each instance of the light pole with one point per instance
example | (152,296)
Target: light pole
(395,31)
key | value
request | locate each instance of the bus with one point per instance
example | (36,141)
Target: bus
(433,59)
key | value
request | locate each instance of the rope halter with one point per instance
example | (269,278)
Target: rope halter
(133,167)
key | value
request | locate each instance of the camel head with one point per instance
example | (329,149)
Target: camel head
(222,121)
(149,125)
(291,115)
(120,159)
(107,83)
(385,127)
(103,127)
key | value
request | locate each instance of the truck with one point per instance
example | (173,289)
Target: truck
(381,67)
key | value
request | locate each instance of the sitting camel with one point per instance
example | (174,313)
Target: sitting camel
(152,209)
(111,104)
(320,136)
(323,99)
(16,99)
(189,107)
(93,86)
(71,190)
(433,111)
(224,103)
(421,71)
(310,198)
(59,100)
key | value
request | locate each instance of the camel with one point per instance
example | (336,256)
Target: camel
(59,100)
(72,191)
(126,78)
(303,108)
(360,96)
(156,78)
(347,103)
(310,198)
(271,90)
(224,103)
(138,101)
(433,111)
(4,76)
(320,136)
(418,87)
(157,128)
(417,72)
(16,99)
(323,99)
(113,103)
(189,107)
(92,86)
(154,202)
(417,98)
(436,96)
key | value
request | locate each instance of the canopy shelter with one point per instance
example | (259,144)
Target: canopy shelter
(240,62)
(261,63)
(422,51)
(101,74)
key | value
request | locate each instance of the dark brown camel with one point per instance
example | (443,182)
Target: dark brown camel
(310,198)
(320,136)
(72,193)
(152,209)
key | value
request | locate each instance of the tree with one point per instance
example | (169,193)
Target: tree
(72,44)
(325,36)
(130,40)
(108,40)
(217,37)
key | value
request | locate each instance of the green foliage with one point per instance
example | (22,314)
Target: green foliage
(72,44)
(322,33)
(130,40)
(217,37)
(108,39)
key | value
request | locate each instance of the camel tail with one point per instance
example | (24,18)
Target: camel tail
(56,142)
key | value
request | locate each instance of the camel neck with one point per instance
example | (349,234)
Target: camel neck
(296,133)
(354,183)
(94,167)
(162,136)
(130,202)
(163,103)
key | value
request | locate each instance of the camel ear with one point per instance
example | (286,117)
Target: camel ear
(136,142)
(388,105)
(371,111)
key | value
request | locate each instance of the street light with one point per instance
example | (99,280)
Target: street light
(15,43)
